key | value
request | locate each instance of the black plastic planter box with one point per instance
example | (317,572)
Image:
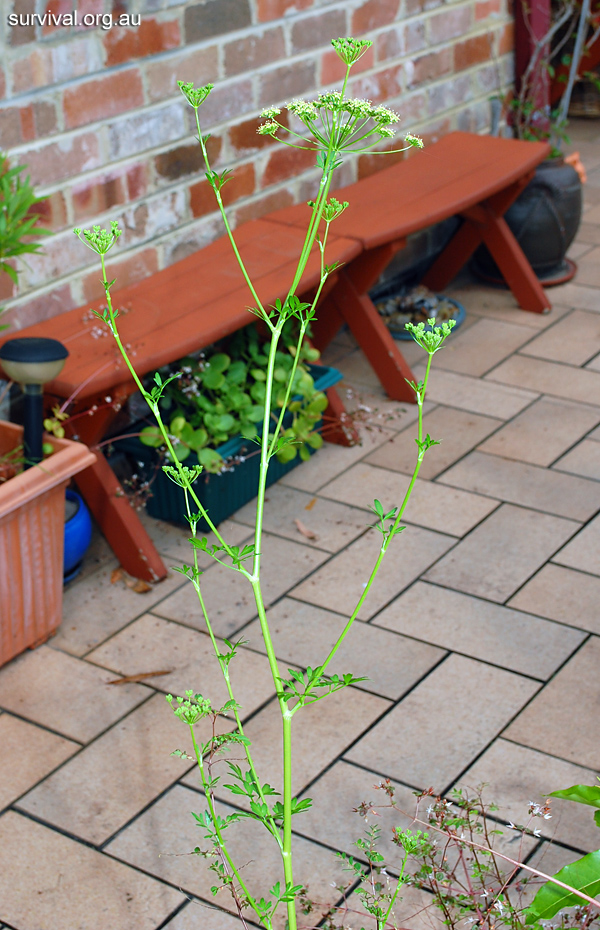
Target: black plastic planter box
(223,494)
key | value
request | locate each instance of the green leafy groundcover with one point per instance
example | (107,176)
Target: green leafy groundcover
(221,394)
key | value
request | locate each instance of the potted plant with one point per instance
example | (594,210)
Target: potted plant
(214,405)
(546,216)
(32,519)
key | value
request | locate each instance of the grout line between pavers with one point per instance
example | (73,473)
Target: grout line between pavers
(551,755)
(574,445)
(519,610)
(78,752)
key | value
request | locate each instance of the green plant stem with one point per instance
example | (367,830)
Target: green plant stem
(399,884)
(272,826)
(386,539)
(287,811)
(217,829)
(226,221)
(288,389)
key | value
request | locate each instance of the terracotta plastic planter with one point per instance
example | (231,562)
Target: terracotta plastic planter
(32,520)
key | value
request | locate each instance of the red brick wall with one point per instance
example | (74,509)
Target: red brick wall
(96,115)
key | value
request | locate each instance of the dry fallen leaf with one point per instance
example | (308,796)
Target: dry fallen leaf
(140,677)
(305,530)
(311,504)
(137,585)
(116,575)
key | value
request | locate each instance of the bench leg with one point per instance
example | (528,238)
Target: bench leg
(515,268)
(374,339)
(119,522)
(485,223)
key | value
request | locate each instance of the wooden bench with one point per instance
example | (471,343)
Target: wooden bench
(474,177)
(203,298)
(185,307)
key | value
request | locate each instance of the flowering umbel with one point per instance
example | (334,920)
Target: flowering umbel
(337,123)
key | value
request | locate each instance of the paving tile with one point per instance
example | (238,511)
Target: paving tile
(198,915)
(502,553)
(481,347)
(492,400)
(588,268)
(114,778)
(172,541)
(529,485)
(499,304)
(583,460)
(161,839)
(563,718)
(333,525)
(589,233)
(304,635)
(578,249)
(229,597)
(339,584)
(70,696)
(73,886)
(517,775)
(578,295)
(334,460)
(433,506)
(564,595)
(152,643)
(508,638)
(543,431)
(549,378)
(583,552)
(94,609)
(340,791)
(29,753)
(564,341)
(432,735)
(595,435)
(594,364)
(457,430)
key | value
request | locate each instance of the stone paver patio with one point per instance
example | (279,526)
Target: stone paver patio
(481,640)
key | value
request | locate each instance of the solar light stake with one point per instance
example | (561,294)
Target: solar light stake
(32,361)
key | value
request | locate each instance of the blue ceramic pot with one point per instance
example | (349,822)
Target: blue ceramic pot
(78,534)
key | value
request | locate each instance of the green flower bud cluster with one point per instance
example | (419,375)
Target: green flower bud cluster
(349,49)
(191,708)
(195,96)
(97,239)
(430,337)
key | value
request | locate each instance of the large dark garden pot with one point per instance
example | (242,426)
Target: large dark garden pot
(544,219)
